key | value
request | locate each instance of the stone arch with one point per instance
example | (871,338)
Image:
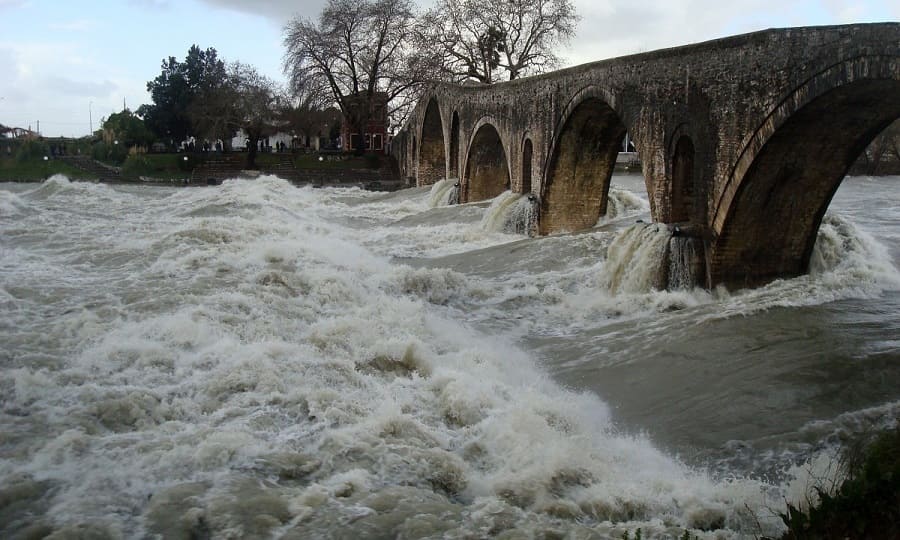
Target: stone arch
(683,190)
(527,159)
(487,170)
(585,147)
(767,217)
(454,146)
(432,165)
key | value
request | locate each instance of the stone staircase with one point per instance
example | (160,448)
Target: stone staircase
(283,168)
(102,171)
(387,177)
(218,167)
(323,177)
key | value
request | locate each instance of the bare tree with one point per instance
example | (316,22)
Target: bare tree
(356,54)
(486,40)
(885,147)
(310,121)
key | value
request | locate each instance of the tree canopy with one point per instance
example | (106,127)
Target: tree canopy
(255,101)
(493,40)
(178,86)
(358,52)
(126,128)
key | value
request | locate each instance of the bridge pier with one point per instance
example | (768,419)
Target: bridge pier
(581,165)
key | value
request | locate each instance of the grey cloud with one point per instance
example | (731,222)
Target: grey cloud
(71,87)
(279,11)
(10,88)
(627,27)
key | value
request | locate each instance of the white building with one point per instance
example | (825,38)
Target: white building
(239,141)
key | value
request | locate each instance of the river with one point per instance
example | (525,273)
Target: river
(257,360)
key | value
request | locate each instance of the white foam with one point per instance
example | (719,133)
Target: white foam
(622,203)
(442,192)
(498,214)
(11,204)
(248,342)
(635,257)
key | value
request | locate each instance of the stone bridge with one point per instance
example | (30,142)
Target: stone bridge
(743,140)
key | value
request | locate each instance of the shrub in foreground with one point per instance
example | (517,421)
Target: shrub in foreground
(866,505)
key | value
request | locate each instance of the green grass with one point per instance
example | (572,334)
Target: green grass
(36,171)
(160,166)
(169,167)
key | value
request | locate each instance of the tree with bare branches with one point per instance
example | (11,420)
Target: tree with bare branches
(357,53)
(882,155)
(493,40)
(256,102)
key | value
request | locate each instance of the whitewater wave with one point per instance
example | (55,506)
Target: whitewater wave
(258,372)
(845,253)
(621,275)
(512,213)
(622,203)
(11,204)
(444,192)
(250,360)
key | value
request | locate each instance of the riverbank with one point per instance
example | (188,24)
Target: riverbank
(368,172)
(13,171)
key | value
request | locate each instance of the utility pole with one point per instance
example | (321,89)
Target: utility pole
(90,120)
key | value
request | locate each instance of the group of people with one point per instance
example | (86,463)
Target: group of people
(60,150)
(280,146)
(205,146)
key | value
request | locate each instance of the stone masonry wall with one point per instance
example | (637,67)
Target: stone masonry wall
(727,96)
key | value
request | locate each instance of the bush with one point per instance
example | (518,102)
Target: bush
(160,166)
(135,165)
(373,161)
(187,165)
(32,151)
(109,153)
(867,504)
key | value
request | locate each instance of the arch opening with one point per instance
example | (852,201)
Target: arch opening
(454,146)
(527,157)
(581,165)
(487,173)
(432,160)
(770,226)
(683,191)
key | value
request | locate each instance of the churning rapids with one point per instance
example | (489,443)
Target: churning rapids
(257,360)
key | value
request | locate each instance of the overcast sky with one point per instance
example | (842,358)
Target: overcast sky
(68,63)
